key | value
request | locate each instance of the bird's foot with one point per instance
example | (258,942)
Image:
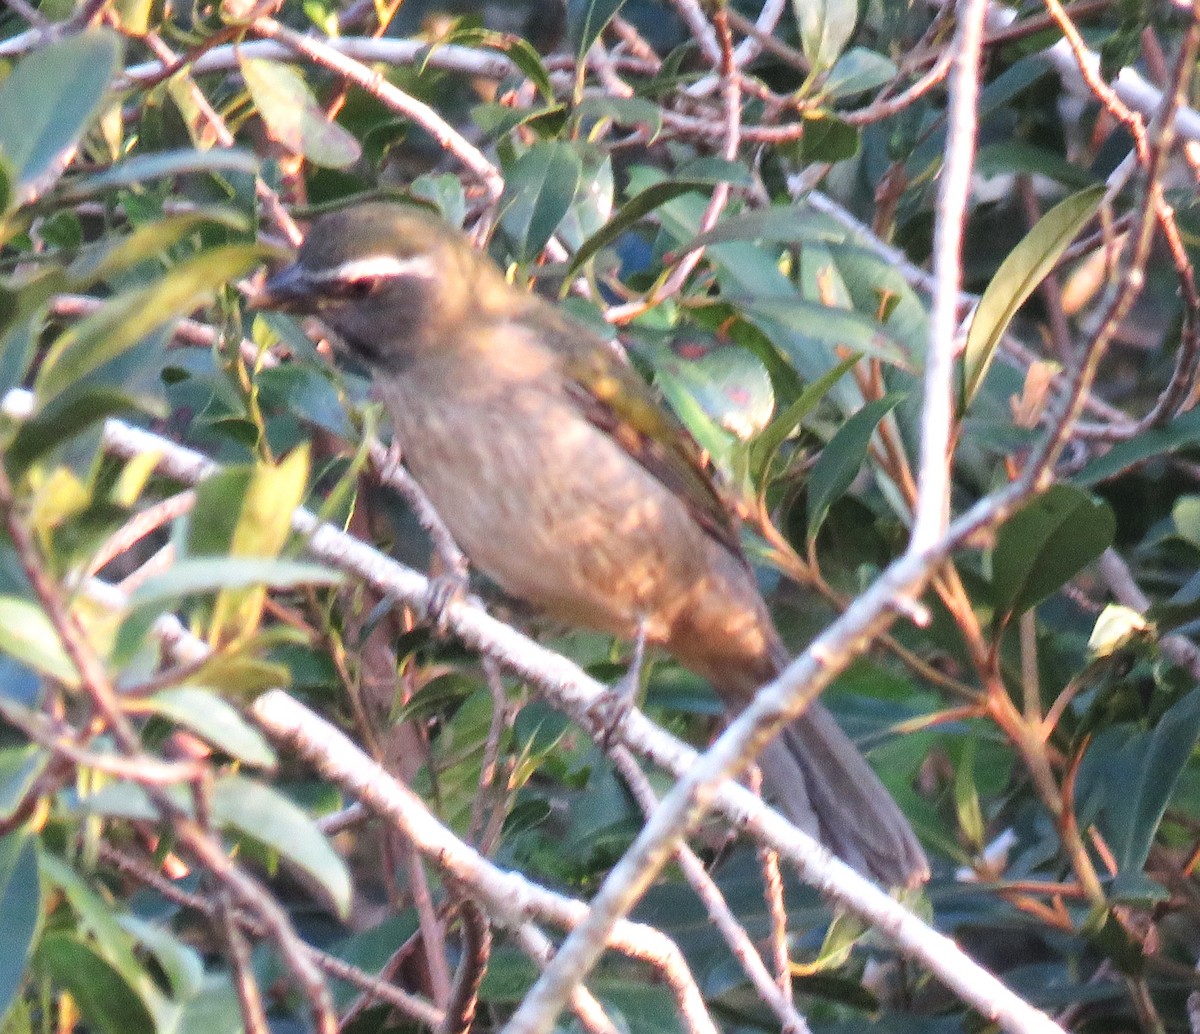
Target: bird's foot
(611,709)
(445,589)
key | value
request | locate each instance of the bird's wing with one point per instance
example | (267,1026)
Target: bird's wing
(612,396)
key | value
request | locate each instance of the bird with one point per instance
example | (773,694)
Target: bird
(564,480)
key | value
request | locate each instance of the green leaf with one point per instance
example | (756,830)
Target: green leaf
(830,325)
(840,460)
(265,815)
(97,918)
(202,575)
(1142,778)
(105,998)
(1045,544)
(263,527)
(27,634)
(117,253)
(630,213)
(828,139)
(966,797)
(592,205)
(729,383)
(1025,267)
(586,19)
(1156,441)
(773,436)
(445,192)
(496,120)
(538,191)
(857,71)
(519,51)
(20,910)
(71,413)
(293,116)
(1019,156)
(776,224)
(180,962)
(129,317)
(825,28)
(50,99)
(128,801)
(624,111)
(19,770)
(212,719)
(161,165)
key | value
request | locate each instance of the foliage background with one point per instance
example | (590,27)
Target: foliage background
(755,207)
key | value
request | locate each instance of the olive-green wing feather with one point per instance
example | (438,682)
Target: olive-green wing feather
(614,398)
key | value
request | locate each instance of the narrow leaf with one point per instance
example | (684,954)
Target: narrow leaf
(1025,267)
(841,459)
(265,815)
(205,575)
(212,719)
(632,212)
(129,317)
(106,1000)
(20,911)
(263,527)
(586,19)
(164,164)
(537,193)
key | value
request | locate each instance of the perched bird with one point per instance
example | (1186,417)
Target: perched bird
(562,479)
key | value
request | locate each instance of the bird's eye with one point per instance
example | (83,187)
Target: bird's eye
(361,287)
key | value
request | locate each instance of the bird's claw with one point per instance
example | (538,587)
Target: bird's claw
(609,712)
(611,709)
(445,589)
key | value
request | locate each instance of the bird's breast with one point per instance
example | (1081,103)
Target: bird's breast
(550,507)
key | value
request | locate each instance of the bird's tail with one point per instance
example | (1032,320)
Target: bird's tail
(811,770)
(819,780)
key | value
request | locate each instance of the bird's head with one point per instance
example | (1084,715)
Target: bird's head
(390,280)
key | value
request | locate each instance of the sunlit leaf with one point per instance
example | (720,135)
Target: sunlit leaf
(19,770)
(164,164)
(27,634)
(263,527)
(179,961)
(1022,270)
(122,322)
(830,325)
(293,116)
(264,814)
(825,28)
(212,574)
(212,719)
(117,253)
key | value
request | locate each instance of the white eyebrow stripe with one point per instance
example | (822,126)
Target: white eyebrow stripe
(376,267)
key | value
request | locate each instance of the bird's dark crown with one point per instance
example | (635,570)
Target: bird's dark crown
(388,278)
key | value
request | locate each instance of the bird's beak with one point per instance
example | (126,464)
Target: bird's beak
(289,289)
